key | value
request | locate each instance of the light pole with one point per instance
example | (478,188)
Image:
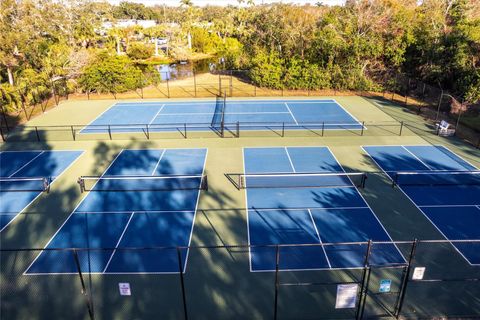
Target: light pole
(440,103)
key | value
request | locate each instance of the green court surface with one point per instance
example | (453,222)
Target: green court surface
(218,282)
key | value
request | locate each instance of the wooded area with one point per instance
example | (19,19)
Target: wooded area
(284,46)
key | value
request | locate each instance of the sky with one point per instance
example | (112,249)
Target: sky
(227,2)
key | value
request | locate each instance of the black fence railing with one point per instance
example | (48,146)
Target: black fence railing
(434,281)
(204,130)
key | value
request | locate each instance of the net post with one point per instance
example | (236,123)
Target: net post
(81,184)
(185,130)
(283,129)
(401,128)
(84,289)
(277,262)
(238,129)
(323,128)
(73,132)
(110,132)
(394,180)
(363,127)
(147,131)
(46,184)
(204,183)
(403,288)
(36,132)
(182,283)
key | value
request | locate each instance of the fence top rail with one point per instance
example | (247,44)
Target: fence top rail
(233,246)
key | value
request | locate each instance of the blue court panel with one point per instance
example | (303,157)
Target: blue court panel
(308,217)
(453,209)
(28,164)
(118,220)
(198,115)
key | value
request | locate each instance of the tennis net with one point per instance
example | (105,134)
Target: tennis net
(437,178)
(41,184)
(298,180)
(218,119)
(143,183)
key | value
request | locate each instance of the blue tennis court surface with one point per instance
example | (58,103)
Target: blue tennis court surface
(442,186)
(251,114)
(130,219)
(309,216)
(17,191)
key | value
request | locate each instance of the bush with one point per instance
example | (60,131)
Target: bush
(267,70)
(140,51)
(110,73)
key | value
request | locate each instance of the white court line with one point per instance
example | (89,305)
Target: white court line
(211,113)
(290,111)
(118,242)
(448,206)
(373,212)
(68,218)
(419,209)
(185,264)
(156,114)
(319,238)
(290,159)
(158,162)
(26,164)
(95,119)
(457,156)
(427,166)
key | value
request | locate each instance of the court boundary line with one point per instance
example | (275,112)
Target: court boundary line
(421,211)
(371,210)
(108,108)
(291,114)
(40,193)
(351,115)
(466,161)
(64,222)
(289,159)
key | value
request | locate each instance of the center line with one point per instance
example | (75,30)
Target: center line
(319,239)
(26,164)
(156,115)
(118,242)
(290,160)
(158,162)
(286,105)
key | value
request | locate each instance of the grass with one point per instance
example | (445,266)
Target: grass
(217,282)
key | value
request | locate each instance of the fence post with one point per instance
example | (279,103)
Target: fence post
(182,283)
(73,132)
(147,130)
(194,83)
(401,128)
(168,88)
(439,105)
(403,287)
(363,127)
(109,132)
(36,132)
(5,118)
(364,276)
(277,262)
(84,290)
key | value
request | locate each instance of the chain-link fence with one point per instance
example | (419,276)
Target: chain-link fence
(217,282)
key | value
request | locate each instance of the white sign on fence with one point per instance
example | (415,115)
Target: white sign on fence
(346,296)
(124,288)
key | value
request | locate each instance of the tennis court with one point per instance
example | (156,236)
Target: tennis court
(24,175)
(145,198)
(443,186)
(204,115)
(302,196)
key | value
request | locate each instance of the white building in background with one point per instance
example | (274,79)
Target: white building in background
(125,23)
